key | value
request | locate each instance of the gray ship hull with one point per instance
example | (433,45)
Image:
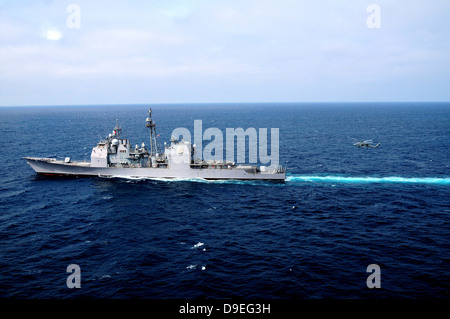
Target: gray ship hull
(48,166)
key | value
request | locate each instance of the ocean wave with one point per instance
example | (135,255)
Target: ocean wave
(192,267)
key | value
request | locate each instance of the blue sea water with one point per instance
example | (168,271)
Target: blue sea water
(341,208)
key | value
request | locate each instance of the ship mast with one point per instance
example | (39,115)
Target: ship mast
(152,126)
(117,130)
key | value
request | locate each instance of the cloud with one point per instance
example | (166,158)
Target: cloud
(53,35)
(251,49)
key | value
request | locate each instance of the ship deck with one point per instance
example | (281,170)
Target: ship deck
(57,161)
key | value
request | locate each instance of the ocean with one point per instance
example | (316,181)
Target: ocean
(341,208)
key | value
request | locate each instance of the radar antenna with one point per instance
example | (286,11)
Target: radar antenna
(152,126)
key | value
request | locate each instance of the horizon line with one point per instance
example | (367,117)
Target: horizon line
(222,103)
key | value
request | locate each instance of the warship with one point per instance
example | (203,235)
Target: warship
(114,157)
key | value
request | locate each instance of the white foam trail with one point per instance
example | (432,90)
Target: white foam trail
(368,179)
(162,179)
(177,179)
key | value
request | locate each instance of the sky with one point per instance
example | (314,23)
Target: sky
(206,51)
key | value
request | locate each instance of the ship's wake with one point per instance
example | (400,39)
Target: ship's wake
(298,179)
(338,179)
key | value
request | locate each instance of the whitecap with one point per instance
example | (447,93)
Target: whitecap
(199,244)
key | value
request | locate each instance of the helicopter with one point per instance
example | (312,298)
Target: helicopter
(366,144)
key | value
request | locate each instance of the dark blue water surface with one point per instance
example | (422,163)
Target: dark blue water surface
(341,209)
